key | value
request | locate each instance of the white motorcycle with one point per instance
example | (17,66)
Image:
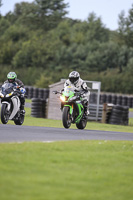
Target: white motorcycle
(10,104)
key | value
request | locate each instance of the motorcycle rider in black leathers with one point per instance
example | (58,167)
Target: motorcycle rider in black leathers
(80,85)
(12,78)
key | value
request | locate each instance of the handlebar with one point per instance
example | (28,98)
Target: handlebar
(57,92)
(17,91)
(77,93)
(17,86)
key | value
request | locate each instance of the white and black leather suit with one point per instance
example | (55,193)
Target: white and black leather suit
(80,86)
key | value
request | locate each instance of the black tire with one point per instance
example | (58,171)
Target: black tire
(118,107)
(82,124)
(37,107)
(116,111)
(115,118)
(66,117)
(36,100)
(4,114)
(20,120)
(36,110)
(36,114)
(36,103)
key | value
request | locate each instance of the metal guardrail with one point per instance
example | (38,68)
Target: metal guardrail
(95,111)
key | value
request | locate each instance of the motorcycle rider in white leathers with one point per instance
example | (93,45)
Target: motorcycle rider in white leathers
(75,81)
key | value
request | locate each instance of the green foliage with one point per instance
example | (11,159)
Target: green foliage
(96,30)
(40,14)
(4,24)
(16,33)
(44,81)
(5,69)
(29,75)
(126,27)
(43,46)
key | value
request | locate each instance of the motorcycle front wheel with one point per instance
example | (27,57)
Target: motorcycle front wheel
(66,118)
(4,114)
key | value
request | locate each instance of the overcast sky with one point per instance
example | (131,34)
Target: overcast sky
(108,10)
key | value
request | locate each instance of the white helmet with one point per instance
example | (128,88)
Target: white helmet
(74,77)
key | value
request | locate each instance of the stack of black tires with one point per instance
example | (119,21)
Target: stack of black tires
(119,115)
(117,99)
(39,108)
(32,92)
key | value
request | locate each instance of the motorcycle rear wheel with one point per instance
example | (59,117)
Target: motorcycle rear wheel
(82,124)
(20,120)
(4,114)
(66,117)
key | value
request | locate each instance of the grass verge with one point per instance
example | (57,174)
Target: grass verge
(75,170)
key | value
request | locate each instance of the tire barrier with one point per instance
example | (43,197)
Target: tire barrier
(35,93)
(29,92)
(124,100)
(117,99)
(93,98)
(109,99)
(130,102)
(43,93)
(115,114)
(103,98)
(119,115)
(39,108)
(114,98)
(32,92)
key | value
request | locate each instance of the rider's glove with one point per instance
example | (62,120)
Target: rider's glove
(16,87)
(61,91)
(83,95)
(22,90)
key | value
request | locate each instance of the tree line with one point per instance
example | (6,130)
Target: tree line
(42,45)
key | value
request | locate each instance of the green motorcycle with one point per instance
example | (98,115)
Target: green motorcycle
(72,108)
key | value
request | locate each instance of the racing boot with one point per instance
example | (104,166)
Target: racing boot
(22,109)
(86,108)
(87,112)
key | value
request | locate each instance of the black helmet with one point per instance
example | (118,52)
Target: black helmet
(74,77)
(11,77)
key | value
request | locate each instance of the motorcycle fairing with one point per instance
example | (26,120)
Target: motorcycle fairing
(81,110)
(16,106)
(71,109)
(8,104)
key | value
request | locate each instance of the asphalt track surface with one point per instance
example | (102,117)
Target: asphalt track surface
(13,133)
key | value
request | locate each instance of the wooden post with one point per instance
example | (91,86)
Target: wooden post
(104,113)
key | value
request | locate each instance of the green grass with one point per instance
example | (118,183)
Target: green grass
(131,109)
(28,100)
(75,170)
(72,170)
